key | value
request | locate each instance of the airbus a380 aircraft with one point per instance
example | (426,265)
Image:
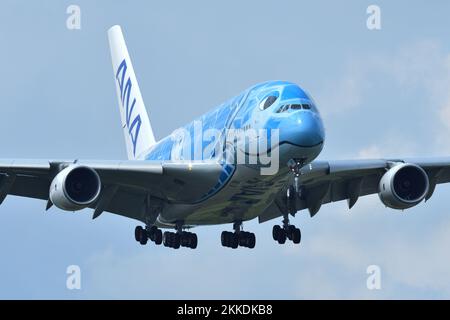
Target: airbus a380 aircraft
(165,185)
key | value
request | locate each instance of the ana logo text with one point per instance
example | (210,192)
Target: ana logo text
(125,92)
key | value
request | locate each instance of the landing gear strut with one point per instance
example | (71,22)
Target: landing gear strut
(295,165)
(180,238)
(238,237)
(286,231)
(142,235)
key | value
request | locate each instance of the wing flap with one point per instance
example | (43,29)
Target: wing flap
(352,179)
(140,187)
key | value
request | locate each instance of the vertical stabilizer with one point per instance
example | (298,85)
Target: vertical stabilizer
(135,122)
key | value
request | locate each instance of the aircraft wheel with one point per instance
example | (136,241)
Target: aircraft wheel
(243,238)
(176,242)
(194,241)
(151,232)
(251,242)
(290,231)
(276,232)
(296,236)
(225,238)
(234,237)
(137,233)
(158,237)
(282,237)
(143,237)
(184,239)
(166,239)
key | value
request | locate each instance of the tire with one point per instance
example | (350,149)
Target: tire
(296,236)
(194,241)
(166,239)
(151,232)
(176,241)
(251,241)
(243,238)
(184,239)
(282,237)
(224,239)
(158,237)
(143,237)
(290,231)
(137,233)
(234,240)
(275,232)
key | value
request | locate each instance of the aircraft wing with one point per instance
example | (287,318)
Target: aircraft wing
(329,181)
(129,188)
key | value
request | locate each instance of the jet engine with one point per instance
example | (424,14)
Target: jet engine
(75,188)
(403,186)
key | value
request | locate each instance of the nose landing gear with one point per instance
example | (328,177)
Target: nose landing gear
(287,230)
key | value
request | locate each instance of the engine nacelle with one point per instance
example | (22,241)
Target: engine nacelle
(403,186)
(75,188)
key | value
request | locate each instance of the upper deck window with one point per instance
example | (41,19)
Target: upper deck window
(268,101)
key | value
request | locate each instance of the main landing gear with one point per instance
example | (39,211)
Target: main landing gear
(168,239)
(238,237)
(180,238)
(176,239)
(143,235)
(286,231)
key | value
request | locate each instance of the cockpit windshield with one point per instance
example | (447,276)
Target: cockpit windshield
(294,106)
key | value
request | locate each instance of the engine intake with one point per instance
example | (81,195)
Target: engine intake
(403,186)
(75,188)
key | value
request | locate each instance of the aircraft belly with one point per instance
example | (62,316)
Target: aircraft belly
(244,197)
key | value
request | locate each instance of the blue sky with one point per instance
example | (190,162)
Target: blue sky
(382,93)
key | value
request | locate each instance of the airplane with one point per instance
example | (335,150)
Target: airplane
(165,186)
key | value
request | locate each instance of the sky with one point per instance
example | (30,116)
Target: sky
(382,93)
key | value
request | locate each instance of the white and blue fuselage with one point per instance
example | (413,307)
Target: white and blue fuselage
(241,192)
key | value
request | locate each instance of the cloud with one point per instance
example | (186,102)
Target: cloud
(413,260)
(397,89)
(344,94)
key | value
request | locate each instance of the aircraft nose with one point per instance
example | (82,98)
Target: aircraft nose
(305,129)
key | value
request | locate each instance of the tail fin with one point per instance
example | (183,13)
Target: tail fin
(136,125)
